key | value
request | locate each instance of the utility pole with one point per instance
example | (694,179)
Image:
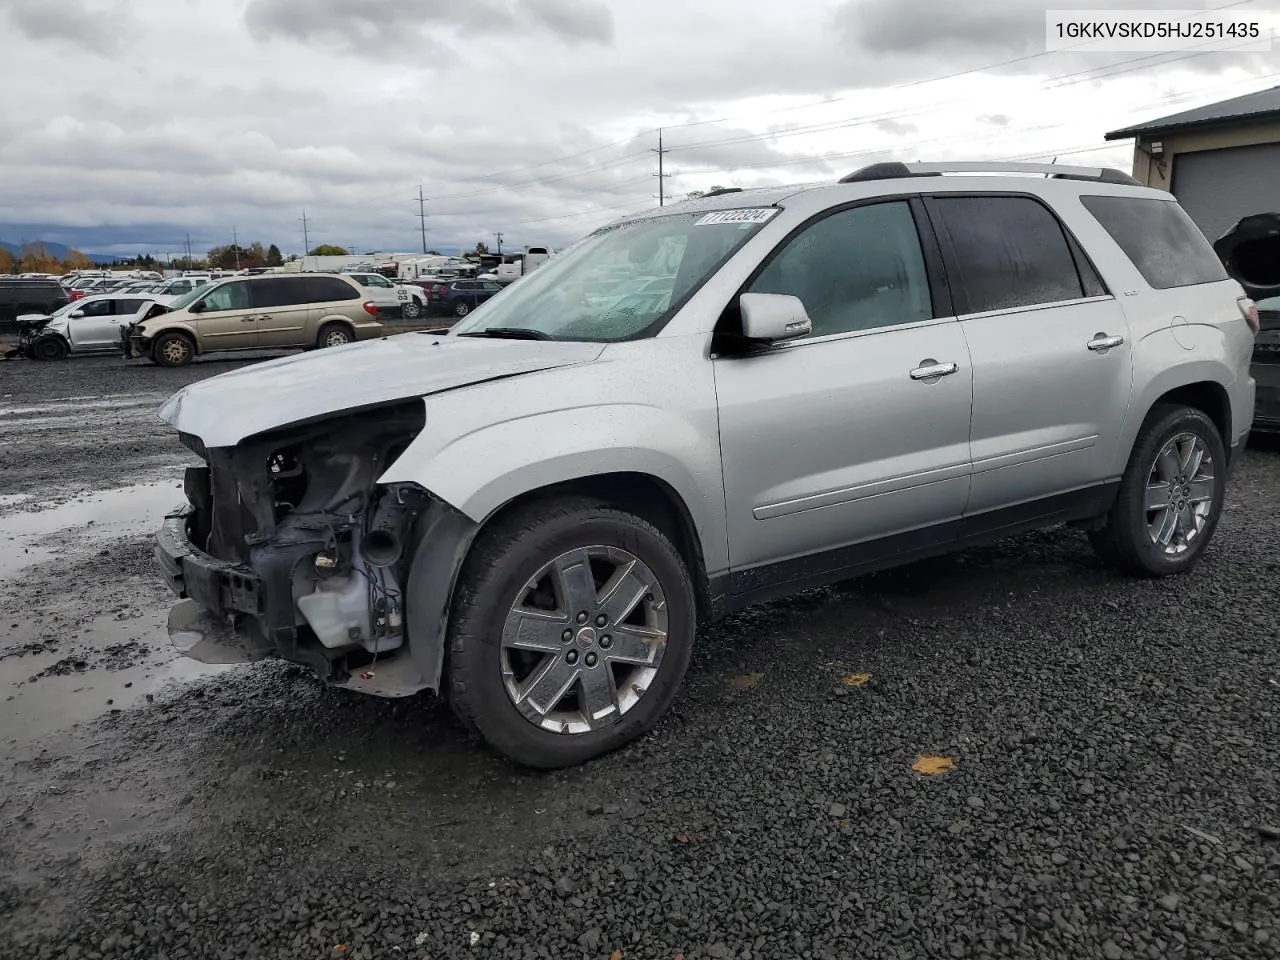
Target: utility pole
(188,251)
(235,245)
(306,238)
(498,236)
(660,175)
(422,217)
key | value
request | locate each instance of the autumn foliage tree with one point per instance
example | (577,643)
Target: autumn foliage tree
(328,250)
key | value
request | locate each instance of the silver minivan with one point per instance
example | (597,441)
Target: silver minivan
(533,514)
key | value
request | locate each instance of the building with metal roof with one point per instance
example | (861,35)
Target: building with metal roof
(1222,160)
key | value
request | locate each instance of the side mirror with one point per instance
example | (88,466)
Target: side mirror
(76,314)
(197,307)
(772,317)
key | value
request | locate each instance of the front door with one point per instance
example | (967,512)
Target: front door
(102,330)
(228,320)
(1052,356)
(859,431)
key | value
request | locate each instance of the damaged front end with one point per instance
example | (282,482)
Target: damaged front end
(29,331)
(290,548)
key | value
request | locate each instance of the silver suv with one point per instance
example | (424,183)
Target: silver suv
(533,514)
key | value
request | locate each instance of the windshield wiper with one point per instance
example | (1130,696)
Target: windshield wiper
(508,333)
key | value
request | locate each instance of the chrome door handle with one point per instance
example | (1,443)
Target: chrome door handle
(1101,342)
(931,370)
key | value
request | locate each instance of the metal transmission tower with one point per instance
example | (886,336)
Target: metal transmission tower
(662,177)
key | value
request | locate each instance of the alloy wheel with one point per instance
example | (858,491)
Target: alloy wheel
(583,640)
(1179,494)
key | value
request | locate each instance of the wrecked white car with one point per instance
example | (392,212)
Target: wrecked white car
(90,325)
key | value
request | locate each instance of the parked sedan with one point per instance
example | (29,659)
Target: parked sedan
(90,325)
(460,297)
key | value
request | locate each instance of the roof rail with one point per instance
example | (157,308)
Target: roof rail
(889,171)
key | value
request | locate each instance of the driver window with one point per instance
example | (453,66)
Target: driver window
(229,296)
(97,308)
(857,269)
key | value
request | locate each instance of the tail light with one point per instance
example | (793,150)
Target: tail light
(370,308)
(441,289)
(1249,310)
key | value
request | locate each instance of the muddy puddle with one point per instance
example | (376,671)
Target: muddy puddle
(82,625)
(28,535)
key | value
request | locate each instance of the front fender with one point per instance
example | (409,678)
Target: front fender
(480,471)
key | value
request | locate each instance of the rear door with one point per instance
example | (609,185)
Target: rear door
(283,311)
(228,320)
(1052,355)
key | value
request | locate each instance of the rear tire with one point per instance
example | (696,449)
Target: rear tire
(461,309)
(173,350)
(1170,498)
(517,598)
(411,310)
(50,347)
(334,335)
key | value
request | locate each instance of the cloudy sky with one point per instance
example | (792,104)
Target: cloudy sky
(128,124)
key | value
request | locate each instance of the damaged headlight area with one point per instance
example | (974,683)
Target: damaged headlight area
(290,548)
(29,331)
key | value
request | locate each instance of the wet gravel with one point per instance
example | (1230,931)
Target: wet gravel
(1112,787)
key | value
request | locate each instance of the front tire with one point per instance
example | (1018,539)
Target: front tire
(173,350)
(412,310)
(50,347)
(1170,498)
(461,309)
(610,582)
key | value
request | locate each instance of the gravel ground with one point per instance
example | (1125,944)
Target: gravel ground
(1112,793)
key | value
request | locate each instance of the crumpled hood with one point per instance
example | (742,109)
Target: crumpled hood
(226,409)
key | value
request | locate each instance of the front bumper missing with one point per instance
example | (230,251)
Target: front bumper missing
(214,595)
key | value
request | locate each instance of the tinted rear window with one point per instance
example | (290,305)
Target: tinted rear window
(280,292)
(1162,241)
(1004,252)
(328,289)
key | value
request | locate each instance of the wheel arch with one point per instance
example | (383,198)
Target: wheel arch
(447,537)
(1201,385)
(53,335)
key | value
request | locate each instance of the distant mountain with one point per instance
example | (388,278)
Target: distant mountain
(61,251)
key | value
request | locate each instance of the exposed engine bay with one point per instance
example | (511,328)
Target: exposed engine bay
(313,555)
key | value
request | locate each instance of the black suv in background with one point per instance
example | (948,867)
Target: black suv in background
(28,296)
(460,297)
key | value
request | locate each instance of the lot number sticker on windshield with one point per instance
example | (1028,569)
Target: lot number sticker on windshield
(754,215)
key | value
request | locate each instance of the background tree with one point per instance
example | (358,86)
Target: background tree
(7,262)
(37,259)
(258,254)
(328,250)
(76,260)
(274,259)
(481,249)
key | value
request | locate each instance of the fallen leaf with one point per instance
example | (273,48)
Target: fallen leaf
(340,948)
(932,765)
(856,679)
(745,681)
(616,955)
(682,838)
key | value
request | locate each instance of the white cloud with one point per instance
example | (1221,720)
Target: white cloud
(146,120)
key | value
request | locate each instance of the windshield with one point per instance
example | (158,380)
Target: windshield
(187,299)
(621,282)
(67,308)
